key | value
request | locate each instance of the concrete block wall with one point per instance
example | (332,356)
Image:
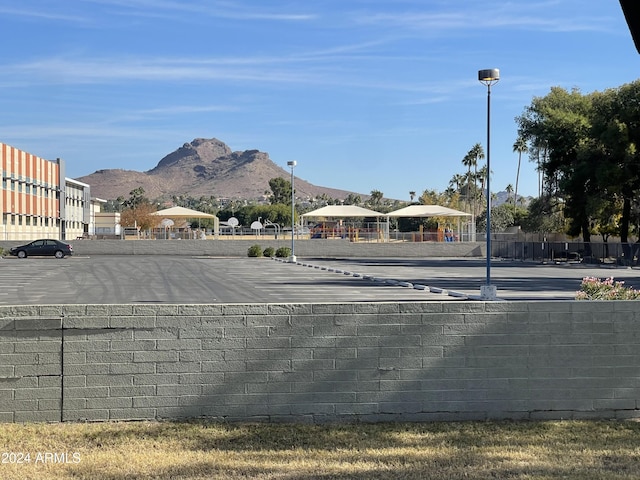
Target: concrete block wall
(304,248)
(320,362)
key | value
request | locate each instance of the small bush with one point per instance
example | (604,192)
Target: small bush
(283,252)
(254,251)
(269,252)
(593,288)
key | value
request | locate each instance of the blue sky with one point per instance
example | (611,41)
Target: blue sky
(363,94)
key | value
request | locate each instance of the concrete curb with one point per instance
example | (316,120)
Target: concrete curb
(391,281)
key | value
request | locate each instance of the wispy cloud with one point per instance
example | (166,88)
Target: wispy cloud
(528,15)
(41,14)
(214,9)
(159,72)
(260,71)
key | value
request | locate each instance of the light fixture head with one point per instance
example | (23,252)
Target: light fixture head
(489,76)
(292,163)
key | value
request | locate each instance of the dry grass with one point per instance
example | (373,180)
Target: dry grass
(200,450)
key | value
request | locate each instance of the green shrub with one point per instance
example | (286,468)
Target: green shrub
(593,288)
(269,252)
(283,252)
(254,251)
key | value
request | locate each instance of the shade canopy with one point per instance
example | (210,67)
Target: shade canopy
(343,211)
(181,212)
(427,211)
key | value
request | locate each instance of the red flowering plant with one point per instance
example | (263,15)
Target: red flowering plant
(593,288)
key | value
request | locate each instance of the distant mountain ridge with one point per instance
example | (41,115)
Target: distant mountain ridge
(204,167)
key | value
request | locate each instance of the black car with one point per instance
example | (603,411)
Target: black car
(44,247)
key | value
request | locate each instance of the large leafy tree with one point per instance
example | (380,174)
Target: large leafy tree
(616,132)
(562,121)
(138,211)
(592,159)
(280,191)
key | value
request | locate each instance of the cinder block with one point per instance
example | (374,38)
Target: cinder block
(38,346)
(37,370)
(176,391)
(85,322)
(400,340)
(335,330)
(87,369)
(109,380)
(37,393)
(86,392)
(156,356)
(109,402)
(215,378)
(29,416)
(223,343)
(110,357)
(133,321)
(85,415)
(201,355)
(269,342)
(133,391)
(121,309)
(155,333)
(289,309)
(178,367)
(136,368)
(156,379)
(159,401)
(330,353)
(7,417)
(132,414)
(224,366)
(404,363)
(278,365)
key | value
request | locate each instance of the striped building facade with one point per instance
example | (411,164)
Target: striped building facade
(38,201)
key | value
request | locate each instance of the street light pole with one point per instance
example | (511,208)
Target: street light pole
(292,259)
(488,77)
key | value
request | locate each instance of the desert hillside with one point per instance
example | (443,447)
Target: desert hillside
(204,167)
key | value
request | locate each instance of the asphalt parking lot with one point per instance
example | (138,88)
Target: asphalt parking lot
(180,279)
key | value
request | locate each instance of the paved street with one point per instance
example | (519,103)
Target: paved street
(179,279)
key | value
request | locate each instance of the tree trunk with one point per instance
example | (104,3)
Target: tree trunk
(624,230)
(517,178)
(586,235)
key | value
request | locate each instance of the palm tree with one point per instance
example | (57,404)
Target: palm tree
(482,177)
(375,198)
(412,194)
(467,161)
(477,152)
(519,146)
(509,190)
(457,180)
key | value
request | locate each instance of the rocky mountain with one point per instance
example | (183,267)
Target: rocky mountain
(203,167)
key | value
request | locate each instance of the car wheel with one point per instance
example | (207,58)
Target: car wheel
(59,254)
(22,254)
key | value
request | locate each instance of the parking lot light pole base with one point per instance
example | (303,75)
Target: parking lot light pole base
(293,259)
(488,292)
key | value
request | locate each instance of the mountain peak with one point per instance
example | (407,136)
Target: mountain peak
(198,151)
(203,167)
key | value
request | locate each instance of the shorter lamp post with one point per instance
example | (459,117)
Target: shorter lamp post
(292,258)
(488,77)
